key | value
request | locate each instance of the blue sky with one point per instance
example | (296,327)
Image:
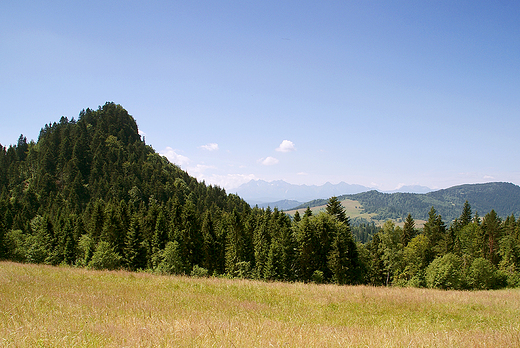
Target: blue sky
(377,93)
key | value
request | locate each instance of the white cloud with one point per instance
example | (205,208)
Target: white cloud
(488,177)
(210,147)
(286,146)
(302,173)
(199,168)
(229,181)
(268,161)
(174,157)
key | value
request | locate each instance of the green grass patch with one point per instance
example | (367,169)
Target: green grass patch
(47,306)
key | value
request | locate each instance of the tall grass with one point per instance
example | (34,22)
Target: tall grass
(43,306)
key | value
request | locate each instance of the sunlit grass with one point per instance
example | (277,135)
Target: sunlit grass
(49,307)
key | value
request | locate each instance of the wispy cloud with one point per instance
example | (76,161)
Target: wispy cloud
(210,147)
(174,157)
(286,146)
(199,168)
(229,181)
(268,161)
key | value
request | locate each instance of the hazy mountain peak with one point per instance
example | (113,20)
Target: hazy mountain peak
(279,190)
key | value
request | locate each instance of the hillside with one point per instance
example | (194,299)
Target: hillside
(91,193)
(504,198)
(94,180)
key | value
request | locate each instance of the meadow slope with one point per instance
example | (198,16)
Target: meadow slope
(48,306)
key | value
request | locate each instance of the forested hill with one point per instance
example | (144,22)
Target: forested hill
(503,197)
(93,177)
(98,157)
(91,193)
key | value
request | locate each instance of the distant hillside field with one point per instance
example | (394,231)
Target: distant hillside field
(45,306)
(354,209)
(378,207)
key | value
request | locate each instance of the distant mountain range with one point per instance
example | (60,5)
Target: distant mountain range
(285,196)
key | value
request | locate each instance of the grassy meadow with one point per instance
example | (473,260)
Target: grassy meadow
(44,306)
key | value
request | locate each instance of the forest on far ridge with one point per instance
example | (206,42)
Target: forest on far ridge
(91,193)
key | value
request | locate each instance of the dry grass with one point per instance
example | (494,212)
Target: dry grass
(45,306)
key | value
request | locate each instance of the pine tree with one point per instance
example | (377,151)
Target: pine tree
(261,241)
(306,242)
(409,231)
(274,267)
(510,247)
(491,226)
(97,220)
(113,229)
(342,258)
(334,208)
(134,252)
(160,238)
(68,243)
(465,216)
(435,230)
(376,269)
(234,242)
(209,252)
(297,217)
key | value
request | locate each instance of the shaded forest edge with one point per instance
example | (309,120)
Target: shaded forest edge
(91,193)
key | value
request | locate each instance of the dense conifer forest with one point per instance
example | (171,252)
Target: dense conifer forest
(91,193)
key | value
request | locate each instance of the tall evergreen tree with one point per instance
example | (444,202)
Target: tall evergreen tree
(343,256)
(297,217)
(409,231)
(492,229)
(262,241)
(435,230)
(306,242)
(334,208)
(234,242)
(209,247)
(160,237)
(134,252)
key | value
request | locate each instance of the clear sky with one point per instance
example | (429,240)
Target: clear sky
(377,93)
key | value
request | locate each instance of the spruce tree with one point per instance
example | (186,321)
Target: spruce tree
(134,252)
(334,208)
(492,229)
(261,242)
(297,217)
(234,242)
(408,230)
(342,258)
(306,243)
(209,252)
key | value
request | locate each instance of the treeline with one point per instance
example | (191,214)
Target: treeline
(472,253)
(92,193)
